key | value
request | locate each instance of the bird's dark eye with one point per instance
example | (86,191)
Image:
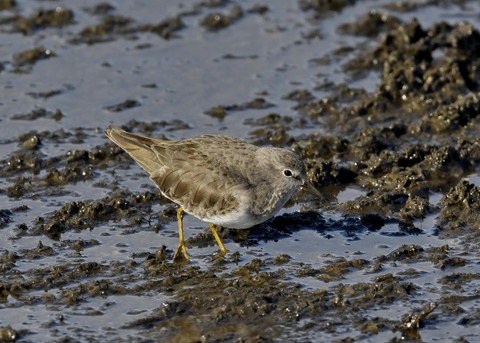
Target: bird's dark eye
(288,172)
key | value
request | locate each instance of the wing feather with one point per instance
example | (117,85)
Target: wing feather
(198,173)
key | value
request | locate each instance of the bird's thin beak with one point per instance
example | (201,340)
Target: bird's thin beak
(310,188)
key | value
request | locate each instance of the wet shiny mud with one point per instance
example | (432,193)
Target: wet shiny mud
(382,101)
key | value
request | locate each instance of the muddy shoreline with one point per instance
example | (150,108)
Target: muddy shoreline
(410,146)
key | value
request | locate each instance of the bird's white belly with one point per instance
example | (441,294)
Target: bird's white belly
(240,219)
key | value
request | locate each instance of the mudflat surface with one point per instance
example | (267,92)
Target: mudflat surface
(382,100)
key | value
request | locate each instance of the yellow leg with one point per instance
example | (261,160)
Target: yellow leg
(223,250)
(181,249)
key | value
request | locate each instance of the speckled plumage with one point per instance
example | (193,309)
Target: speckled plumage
(219,179)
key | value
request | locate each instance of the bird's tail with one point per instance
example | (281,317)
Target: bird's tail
(137,146)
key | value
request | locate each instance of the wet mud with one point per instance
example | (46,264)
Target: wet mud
(414,138)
